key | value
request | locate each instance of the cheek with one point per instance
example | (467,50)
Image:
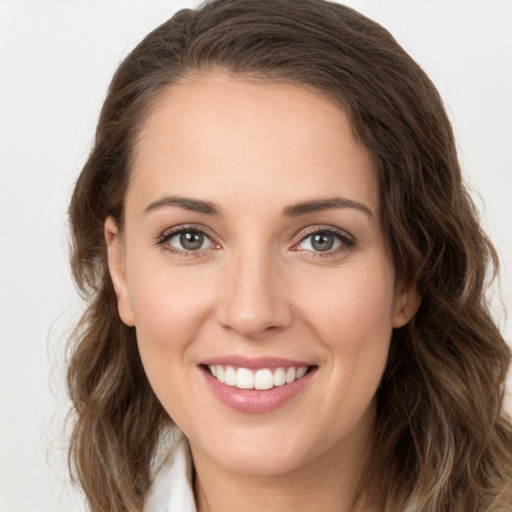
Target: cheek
(169,311)
(352,319)
(354,323)
(167,298)
(355,306)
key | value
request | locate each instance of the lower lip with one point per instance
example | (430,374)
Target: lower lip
(253,400)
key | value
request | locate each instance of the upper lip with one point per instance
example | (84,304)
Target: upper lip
(254,362)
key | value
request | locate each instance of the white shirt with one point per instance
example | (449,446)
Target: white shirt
(171,490)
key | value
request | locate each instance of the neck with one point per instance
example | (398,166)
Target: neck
(330,483)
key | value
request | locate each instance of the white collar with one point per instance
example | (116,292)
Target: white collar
(171,490)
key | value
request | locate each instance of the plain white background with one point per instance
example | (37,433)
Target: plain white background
(56,59)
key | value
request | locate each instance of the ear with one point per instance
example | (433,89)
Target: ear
(407,302)
(117,269)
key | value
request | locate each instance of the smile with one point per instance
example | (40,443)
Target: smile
(256,385)
(261,379)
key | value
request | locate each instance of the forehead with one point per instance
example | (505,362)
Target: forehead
(217,132)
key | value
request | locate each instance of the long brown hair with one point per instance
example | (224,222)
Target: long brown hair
(442,441)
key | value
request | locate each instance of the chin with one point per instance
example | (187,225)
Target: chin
(262,463)
(262,453)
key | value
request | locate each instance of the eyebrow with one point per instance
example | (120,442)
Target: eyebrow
(320,205)
(193,205)
(295,210)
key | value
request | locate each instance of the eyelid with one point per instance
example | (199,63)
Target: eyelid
(176,230)
(347,240)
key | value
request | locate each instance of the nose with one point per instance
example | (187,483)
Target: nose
(253,301)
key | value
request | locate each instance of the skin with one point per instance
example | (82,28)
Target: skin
(259,287)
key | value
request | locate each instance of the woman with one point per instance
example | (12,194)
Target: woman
(282,264)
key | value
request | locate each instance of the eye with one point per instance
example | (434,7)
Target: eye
(320,242)
(324,241)
(187,239)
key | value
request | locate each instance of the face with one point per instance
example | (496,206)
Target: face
(253,267)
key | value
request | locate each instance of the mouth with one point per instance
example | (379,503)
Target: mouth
(256,385)
(260,379)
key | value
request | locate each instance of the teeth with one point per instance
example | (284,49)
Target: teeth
(279,377)
(290,375)
(262,379)
(230,376)
(244,379)
(301,372)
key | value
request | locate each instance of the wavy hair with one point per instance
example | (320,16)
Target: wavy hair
(442,441)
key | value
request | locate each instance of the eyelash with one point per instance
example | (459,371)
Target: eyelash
(346,241)
(183,253)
